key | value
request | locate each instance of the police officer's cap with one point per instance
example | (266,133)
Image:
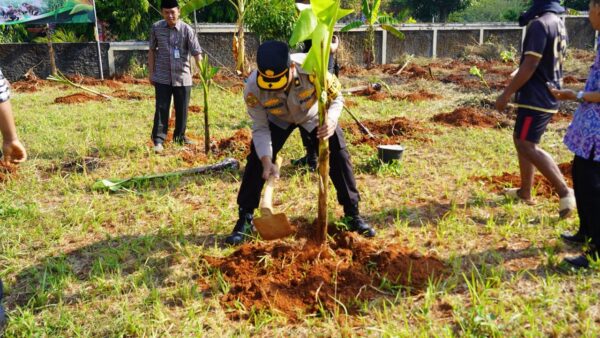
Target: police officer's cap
(273,59)
(169,4)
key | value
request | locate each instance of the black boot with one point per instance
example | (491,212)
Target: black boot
(356,223)
(578,238)
(243,228)
(307,161)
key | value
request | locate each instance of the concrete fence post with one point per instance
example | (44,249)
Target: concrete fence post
(384,47)
(434,47)
(481,34)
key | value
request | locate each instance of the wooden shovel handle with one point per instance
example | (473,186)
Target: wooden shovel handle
(266,203)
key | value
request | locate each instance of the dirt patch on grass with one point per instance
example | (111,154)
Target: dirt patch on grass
(570,79)
(472,117)
(542,186)
(134,96)
(387,132)
(195,109)
(6,170)
(302,278)
(77,98)
(421,95)
(238,143)
(128,79)
(561,117)
(27,86)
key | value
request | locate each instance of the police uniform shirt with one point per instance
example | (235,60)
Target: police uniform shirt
(299,107)
(4,90)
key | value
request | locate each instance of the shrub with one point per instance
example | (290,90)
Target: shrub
(490,11)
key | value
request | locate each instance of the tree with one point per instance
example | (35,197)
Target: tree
(490,11)
(373,18)
(317,23)
(579,5)
(129,19)
(207,72)
(239,48)
(272,19)
(439,10)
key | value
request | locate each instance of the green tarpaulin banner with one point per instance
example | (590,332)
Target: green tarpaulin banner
(37,12)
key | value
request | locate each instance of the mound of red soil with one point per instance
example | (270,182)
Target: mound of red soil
(421,95)
(297,279)
(416,71)
(126,95)
(387,132)
(562,117)
(378,96)
(128,79)
(195,109)
(88,81)
(570,79)
(472,117)
(542,186)
(6,169)
(78,98)
(238,143)
(27,86)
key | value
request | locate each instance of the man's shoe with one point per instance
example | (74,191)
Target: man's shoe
(567,205)
(578,262)
(158,148)
(305,161)
(359,225)
(185,141)
(242,230)
(578,238)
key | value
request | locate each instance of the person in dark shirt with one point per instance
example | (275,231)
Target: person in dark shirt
(544,50)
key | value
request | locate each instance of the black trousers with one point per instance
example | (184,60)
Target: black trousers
(586,183)
(311,145)
(181,100)
(341,172)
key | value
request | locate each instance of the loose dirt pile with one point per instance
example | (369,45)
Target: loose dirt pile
(6,170)
(126,95)
(542,186)
(387,132)
(421,95)
(195,109)
(302,278)
(236,144)
(78,98)
(27,86)
(472,117)
(88,81)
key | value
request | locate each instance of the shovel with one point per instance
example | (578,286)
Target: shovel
(270,226)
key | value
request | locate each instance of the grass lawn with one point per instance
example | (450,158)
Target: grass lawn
(78,262)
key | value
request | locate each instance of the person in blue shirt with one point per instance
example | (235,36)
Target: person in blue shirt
(583,139)
(544,50)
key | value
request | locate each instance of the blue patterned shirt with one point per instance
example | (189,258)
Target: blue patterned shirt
(583,135)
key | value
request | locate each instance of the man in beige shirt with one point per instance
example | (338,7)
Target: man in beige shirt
(171,44)
(280,97)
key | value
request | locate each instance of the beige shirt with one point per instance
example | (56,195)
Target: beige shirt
(298,107)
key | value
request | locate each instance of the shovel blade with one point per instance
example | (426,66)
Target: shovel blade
(273,227)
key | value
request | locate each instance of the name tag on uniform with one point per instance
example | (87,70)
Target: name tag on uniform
(176,53)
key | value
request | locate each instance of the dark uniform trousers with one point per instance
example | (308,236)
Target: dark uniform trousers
(586,181)
(181,100)
(341,171)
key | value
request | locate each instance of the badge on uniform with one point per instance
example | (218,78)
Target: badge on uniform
(176,53)
(251,101)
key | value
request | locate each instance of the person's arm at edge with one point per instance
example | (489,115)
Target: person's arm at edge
(11,145)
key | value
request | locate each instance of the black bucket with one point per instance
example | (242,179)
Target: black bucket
(389,153)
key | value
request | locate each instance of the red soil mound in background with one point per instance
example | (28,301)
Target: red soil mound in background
(471,117)
(77,98)
(387,132)
(542,186)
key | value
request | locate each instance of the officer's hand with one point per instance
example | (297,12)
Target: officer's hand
(14,152)
(326,130)
(269,169)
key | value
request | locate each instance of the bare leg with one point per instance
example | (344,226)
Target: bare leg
(544,163)
(527,171)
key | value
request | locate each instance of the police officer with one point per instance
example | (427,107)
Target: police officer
(280,97)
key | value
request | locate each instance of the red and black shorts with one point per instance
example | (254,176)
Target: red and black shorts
(531,124)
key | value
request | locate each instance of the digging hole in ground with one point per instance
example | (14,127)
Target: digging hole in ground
(302,278)
(473,117)
(541,185)
(387,132)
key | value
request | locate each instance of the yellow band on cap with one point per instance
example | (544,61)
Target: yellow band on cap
(269,73)
(260,81)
